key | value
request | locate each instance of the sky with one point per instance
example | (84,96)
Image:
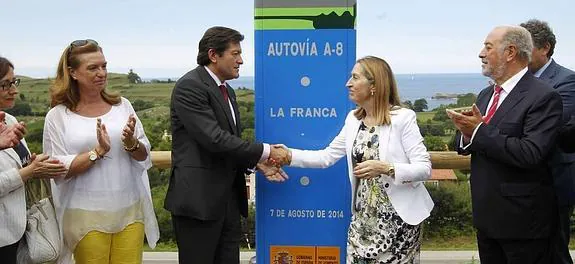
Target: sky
(159,38)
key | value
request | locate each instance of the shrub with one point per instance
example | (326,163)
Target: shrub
(452,214)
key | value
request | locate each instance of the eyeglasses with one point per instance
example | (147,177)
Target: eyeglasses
(8,84)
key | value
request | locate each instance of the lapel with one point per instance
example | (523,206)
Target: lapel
(10,151)
(384,133)
(12,154)
(516,95)
(235,107)
(351,132)
(550,72)
(483,100)
(215,91)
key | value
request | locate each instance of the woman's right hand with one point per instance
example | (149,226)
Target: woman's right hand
(41,166)
(103,138)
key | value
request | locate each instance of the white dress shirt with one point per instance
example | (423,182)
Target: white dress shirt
(507,87)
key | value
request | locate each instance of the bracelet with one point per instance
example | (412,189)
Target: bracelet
(133,148)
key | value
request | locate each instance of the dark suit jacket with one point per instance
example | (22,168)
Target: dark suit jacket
(562,164)
(511,183)
(209,158)
(567,136)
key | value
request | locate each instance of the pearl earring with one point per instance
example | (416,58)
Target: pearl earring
(372,92)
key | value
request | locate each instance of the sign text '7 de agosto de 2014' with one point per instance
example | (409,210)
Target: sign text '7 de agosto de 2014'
(306,213)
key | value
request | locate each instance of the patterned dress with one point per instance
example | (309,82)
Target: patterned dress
(377,234)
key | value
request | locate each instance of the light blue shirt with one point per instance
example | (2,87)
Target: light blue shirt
(538,73)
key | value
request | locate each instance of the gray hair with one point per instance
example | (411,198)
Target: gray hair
(541,34)
(519,37)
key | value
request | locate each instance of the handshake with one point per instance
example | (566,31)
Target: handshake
(271,168)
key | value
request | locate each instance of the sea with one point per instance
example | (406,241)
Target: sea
(412,86)
(416,86)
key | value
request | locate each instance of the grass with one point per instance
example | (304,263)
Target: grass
(424,116)
(451,244)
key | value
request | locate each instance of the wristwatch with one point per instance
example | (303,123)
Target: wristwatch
(391,171)
(93,155)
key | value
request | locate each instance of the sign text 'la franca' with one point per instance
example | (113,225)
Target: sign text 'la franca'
(303,112)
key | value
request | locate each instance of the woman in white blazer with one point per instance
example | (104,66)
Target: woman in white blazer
(16,167)
(387,163)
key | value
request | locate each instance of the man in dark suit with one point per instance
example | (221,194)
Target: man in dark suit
(562,164)
(207,190)
(510,133)
(566,141)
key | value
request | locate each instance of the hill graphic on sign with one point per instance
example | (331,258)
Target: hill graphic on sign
(331,20)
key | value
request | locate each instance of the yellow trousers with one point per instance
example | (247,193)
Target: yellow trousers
(124,247)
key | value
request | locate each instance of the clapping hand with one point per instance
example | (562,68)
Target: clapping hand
(128,138)
(103,138)
(466,121)
(10,136)
(41,166)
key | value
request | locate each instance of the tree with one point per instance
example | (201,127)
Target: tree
(420,105)
(440,114)
(466,100)
(139,105)
(408,104)
(133,77)
(434,143)
(249,134)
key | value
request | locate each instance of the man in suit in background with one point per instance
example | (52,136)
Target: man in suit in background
(562,164)
(510,133)
(207,189)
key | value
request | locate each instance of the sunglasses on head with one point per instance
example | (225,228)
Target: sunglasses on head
(82,42)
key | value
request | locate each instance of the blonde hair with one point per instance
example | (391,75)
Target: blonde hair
(65,89)
(386,96)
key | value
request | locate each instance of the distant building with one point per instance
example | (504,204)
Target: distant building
(251,187)
(438,175)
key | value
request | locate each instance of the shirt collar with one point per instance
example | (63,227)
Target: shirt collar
(542,69)
(213,75)
(512,82)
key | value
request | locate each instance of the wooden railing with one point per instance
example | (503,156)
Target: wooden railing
(439,160)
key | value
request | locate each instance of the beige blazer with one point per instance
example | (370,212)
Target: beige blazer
(12,195)
(400,143)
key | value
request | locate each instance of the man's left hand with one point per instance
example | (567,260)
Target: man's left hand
(466,122)
(271,172)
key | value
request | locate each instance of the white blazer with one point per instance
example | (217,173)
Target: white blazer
(400,143)
(12,194)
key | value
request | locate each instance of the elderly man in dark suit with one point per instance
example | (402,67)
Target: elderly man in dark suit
(510,133)
(562,164)
(207,190)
